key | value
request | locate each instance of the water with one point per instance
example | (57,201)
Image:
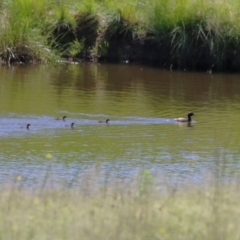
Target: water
(141,103)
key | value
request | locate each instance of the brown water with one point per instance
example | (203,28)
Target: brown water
(141,103)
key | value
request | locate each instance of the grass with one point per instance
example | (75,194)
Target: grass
(198,31)
(142,210)
(21,35)
(198,34)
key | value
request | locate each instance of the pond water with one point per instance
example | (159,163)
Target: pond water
(141,103)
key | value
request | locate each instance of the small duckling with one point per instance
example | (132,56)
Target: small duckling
(188,119)
(63,118)
(107,120)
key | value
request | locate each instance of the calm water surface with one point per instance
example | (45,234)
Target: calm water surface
(141,103)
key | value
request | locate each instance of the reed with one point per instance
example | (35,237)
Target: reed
(198,34)
(21,31)
(199,31)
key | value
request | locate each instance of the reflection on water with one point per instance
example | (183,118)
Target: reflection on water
(141,104)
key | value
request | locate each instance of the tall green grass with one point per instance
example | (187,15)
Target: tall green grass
(21,31)
(199,31)
(198,34)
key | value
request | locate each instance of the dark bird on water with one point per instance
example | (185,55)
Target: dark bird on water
(188,119)
(27,126)
(107,120)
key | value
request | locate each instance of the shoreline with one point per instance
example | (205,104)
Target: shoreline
(198,35)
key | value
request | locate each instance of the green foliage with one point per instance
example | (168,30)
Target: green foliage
(124,17)
(197,29)
(61,16)
(124,212)
(86,7)
(21,32)
(101,49)
(146,183)
(76,47)
(194,30)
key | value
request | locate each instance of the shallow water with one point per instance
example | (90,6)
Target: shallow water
(141,103)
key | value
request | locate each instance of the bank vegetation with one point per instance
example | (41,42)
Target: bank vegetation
(145,209)
(176,34)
